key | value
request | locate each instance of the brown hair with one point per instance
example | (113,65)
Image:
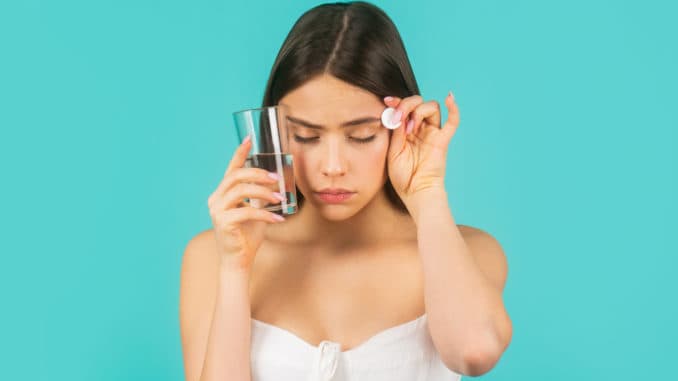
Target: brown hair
(355,42)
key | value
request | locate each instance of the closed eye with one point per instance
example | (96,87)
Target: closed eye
(315,138)
(364,140)
(304,140)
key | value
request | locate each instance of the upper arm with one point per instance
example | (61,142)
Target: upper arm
(488,254)
(197,296)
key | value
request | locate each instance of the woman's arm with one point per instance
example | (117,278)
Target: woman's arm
(214,315)
(467,319)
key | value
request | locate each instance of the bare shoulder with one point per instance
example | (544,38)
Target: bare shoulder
(198,264)
(488,253)
(199,260)
(201,244)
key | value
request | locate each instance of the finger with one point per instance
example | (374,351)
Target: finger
(247,175)
(392,101)
(234,197)
(428,112)
(237,161)
(406,106)
(397,142)
(240,215)
(452,122)
(240,154)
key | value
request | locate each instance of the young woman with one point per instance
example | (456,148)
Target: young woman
(371,279)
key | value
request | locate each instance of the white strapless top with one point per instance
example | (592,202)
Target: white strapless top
(401,353)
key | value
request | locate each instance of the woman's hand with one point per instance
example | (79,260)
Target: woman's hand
(418,149)
(239,227)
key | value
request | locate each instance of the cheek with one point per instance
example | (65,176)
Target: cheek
(299,165)
(370,159)
(373,155)
(368,163)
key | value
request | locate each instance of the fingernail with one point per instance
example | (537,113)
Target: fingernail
(388,99)
(279,196)
(278,217)
(410,126)
(274,176)
(397,116)
(451,95)
(247,139)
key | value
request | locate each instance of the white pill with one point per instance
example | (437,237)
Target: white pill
(387,119)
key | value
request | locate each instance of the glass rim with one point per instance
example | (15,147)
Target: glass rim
(278,106)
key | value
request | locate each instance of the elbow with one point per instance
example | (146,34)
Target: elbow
(479,359)
(478,362)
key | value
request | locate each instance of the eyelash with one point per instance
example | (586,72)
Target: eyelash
(313,139)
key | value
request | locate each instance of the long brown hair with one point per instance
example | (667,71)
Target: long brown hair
(353,41)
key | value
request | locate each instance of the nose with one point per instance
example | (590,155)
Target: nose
(333,163)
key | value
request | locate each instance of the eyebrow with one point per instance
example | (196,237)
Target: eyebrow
(350,123)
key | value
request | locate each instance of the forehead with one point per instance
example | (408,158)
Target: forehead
(328,100)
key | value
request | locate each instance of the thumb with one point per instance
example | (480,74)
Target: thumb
(398,138)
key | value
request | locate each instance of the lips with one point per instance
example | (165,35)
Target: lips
(334,190)
(334,195)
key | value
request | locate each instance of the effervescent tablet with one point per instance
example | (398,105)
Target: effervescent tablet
(387,119)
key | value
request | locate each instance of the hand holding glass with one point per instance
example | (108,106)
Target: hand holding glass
(267,127)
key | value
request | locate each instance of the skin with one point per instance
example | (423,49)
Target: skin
(359,245)
(345,272)
(337,160)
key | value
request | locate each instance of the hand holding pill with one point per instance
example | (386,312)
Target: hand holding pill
(417,153)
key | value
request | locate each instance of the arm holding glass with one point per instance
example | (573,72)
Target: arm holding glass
(215,311)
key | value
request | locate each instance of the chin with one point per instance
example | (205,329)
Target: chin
(336,212)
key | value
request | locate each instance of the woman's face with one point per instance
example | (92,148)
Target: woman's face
(337,141)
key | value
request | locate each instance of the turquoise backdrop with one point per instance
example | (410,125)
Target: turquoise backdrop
(116,125)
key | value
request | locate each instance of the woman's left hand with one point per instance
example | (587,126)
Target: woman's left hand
(418,148)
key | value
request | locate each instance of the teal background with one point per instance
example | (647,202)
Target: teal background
(116,126)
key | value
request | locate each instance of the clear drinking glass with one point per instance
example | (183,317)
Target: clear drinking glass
(270,150)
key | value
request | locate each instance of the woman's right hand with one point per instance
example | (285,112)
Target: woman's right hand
(238,227)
